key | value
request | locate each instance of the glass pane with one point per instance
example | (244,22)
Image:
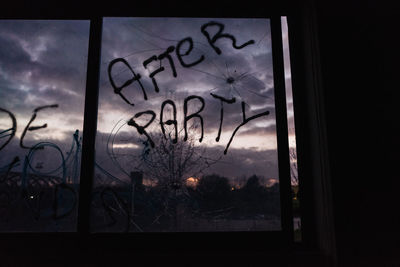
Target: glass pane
(291,131)
(42,81)
(186,136)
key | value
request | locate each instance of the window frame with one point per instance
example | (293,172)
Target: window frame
(304,58)
(88,152)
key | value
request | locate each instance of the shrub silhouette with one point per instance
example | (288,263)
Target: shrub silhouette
(214,192)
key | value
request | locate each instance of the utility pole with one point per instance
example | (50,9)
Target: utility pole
(136,179)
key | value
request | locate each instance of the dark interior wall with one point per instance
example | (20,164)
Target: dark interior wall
(359,47)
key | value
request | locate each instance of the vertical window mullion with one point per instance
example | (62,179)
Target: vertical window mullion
(89,125)
(281,127)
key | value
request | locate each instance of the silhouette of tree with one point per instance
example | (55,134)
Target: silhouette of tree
(214,191)
(169,164)
(253,183)
(252,196)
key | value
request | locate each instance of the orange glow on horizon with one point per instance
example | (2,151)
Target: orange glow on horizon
(192,181)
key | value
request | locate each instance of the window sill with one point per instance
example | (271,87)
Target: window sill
(111,249)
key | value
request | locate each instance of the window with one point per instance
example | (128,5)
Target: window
(294,174)
(186,137)
(186,132)
(42,80)
(106,190)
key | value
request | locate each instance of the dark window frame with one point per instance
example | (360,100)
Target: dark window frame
(310,124)
(88,155)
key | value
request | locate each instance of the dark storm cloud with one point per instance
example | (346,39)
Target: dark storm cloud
(13,57)
(53,50)
(43,61)
(269,130)
(16,99)
(246,162)
(140,39)
(127,136)
(136,40)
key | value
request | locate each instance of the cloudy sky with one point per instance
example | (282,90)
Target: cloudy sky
(44,63)
(253,149)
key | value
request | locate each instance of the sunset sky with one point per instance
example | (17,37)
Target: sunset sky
(44,63)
